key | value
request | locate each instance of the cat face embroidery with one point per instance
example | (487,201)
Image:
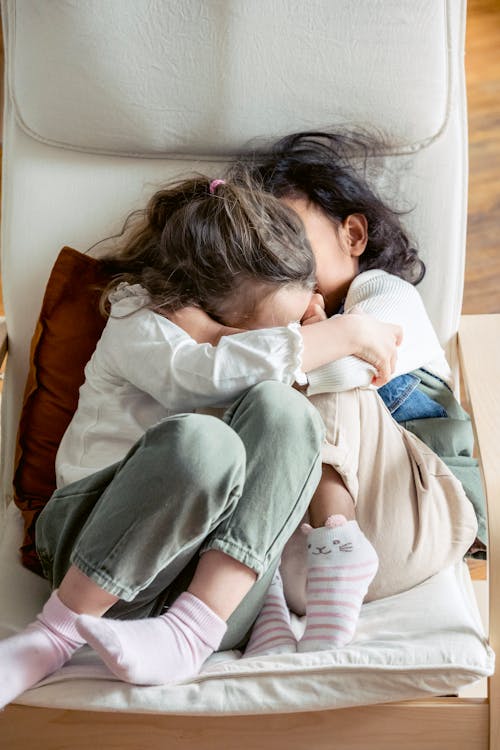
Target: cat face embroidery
(324,542)
(336,546)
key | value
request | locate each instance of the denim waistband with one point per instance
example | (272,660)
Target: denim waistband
(406,402)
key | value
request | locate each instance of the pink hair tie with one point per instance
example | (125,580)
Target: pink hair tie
(215,184)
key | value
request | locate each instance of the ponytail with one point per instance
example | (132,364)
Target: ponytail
(199,240)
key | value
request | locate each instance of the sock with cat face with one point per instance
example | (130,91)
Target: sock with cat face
(341,565)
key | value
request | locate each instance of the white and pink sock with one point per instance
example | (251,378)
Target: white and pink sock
(272,632)
(157,650)
(38,650)
(341,565)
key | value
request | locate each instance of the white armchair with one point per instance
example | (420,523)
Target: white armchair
(103,102)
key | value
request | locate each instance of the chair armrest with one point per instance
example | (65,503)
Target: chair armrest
(3,339)
(479,351)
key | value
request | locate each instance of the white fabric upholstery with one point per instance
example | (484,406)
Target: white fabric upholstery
(201,77)
(428,640)
(105,101)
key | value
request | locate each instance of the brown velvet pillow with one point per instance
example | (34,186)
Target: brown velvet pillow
(66,334)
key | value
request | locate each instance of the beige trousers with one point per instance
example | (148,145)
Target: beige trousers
(408,503)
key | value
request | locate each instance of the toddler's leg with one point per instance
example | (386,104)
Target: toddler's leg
(40,649)
(331,497)
(173,646)
(282,434)
(157,650)
(243,547)
(341,564)
(407,501)
(133,537)
(272,632)
(150,550)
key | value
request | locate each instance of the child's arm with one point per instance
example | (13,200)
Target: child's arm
(200,326)
(392,300)
(361,335)
(156,356)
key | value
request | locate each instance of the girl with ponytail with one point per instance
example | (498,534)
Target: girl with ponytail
(168,525)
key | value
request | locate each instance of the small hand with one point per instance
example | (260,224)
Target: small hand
(316,310)
(378,343)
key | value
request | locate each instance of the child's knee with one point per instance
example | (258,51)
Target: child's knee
(281,407)
(196,443)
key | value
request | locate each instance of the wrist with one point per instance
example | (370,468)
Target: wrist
(353,333)
(328,340)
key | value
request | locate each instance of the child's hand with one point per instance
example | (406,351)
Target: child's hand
(354,334)
(377,344)
(199,325)
(316,310)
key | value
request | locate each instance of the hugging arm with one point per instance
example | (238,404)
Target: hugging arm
(158,357)
(392,300)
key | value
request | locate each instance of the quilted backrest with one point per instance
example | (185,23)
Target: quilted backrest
(104,101)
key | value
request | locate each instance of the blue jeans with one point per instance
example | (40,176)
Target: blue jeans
(405,401)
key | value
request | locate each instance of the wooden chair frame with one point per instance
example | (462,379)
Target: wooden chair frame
(442,723)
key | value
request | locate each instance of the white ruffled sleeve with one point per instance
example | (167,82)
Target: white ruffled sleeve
(159,358)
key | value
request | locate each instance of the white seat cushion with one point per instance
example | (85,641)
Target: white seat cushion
(428,640)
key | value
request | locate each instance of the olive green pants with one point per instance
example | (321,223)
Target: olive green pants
(192,483)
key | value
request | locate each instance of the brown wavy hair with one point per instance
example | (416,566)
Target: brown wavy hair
(190,246)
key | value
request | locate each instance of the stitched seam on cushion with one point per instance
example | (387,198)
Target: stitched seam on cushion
(410,148)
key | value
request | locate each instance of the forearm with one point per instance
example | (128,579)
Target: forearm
(391,300)
(326,341)
(160,359)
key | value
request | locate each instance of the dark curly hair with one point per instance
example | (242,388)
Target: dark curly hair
(320,167)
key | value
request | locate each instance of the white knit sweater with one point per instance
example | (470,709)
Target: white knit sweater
(146,368)
(392,300)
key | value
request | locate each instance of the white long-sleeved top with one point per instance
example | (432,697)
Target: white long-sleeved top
(146,368)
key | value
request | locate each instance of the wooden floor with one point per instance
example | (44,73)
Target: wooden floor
(482,270)
(482,273)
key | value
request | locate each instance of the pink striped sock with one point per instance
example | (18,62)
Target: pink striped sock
(341,565)
(38,650)
(157,650)
(272,633)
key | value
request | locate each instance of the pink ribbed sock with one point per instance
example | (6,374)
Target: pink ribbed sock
(157,650)
(38,650)
(341,565)
(272,632)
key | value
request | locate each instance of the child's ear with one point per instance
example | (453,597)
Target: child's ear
(356,233)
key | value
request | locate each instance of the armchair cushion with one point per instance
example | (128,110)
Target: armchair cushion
(428,640)
(65,337)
